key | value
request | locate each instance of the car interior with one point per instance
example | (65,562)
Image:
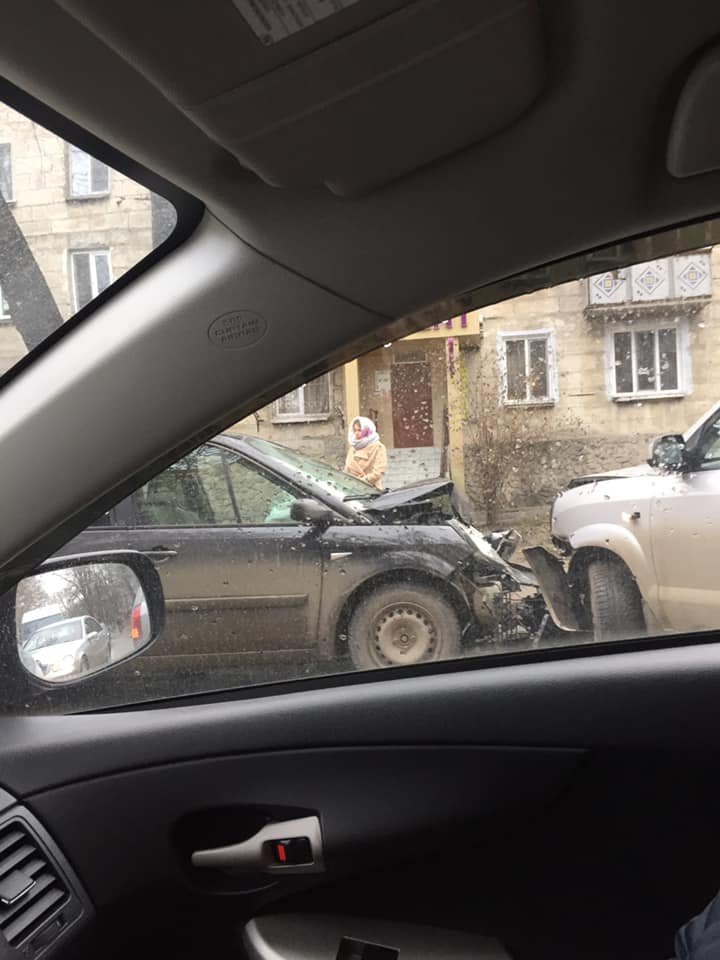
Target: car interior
(344,174)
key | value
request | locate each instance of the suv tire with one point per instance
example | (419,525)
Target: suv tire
(403,624)
(615,601)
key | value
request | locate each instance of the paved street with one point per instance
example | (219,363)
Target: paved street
(122,645)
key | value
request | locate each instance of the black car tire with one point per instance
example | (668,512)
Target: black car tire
(615,601)
(403,624)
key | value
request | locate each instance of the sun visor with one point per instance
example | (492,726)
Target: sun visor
(694,145)
(411,88)
(346,93)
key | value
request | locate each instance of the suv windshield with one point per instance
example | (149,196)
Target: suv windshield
(333,481)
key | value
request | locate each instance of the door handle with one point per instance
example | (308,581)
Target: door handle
(289,846)
(160,554)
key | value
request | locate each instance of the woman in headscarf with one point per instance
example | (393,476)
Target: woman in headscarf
(367,456)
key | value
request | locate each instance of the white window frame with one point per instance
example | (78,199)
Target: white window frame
(546,334)
(91,253)
(75,154)
(5,318)
(11,198)
(684,361)
(301,416)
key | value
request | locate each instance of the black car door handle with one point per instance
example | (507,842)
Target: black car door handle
(160,554)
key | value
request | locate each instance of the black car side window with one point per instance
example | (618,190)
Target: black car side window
(192,492)
(261,499)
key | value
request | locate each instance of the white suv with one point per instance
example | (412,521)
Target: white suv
(643,543)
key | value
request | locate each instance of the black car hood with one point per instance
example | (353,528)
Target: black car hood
(427,495)
(409,494)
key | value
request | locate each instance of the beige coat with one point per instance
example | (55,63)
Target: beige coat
(369,464)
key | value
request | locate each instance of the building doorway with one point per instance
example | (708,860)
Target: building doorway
(412,408)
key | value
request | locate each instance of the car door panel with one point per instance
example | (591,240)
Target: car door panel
(686,549)
(237,588)
(233,590)
(373,805)
(470,801)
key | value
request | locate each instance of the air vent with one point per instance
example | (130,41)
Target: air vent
(31,887)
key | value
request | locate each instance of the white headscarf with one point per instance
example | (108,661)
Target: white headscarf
(369,433)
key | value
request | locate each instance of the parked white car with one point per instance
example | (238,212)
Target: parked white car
(643,543)
(67,649)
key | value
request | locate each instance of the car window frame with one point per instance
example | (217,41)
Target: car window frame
(189,210)
(703,436)
(272,475)
(229,455)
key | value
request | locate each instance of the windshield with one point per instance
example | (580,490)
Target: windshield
(70,226)
(64,632)
(30,627)
(333,481)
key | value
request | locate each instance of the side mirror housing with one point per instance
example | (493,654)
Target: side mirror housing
(312,512)
(668,452)
(48,607)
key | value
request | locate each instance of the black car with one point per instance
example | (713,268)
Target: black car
(266,553)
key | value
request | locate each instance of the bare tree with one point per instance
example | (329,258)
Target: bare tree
(32,594)
(32,305)
(105,591)
(510,449)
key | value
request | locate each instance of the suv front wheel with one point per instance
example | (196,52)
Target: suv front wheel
(615,601)
(402,625)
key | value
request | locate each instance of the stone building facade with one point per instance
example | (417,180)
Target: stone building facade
(313,420)
(596,368)
(584,375)
(85,224)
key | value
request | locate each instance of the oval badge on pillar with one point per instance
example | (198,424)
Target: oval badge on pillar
(237,329)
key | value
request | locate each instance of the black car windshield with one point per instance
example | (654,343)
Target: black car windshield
(329,478)
(54,634)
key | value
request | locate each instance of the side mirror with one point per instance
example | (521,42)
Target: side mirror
(312,512)
(668,452)
(50,605)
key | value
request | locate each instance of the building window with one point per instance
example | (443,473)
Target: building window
(87,177)
(4,308)
(527,367)
(91,273)
(648,360)
(687,275)
(311,401)
(6,182)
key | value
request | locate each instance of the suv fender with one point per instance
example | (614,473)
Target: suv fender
(622,542)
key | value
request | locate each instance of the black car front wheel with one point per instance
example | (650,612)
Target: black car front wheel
(403,624)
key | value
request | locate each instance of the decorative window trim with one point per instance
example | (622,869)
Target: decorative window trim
(684,360)
(77,153)
(91,252)
(301,416)
(548,335)
(623,280)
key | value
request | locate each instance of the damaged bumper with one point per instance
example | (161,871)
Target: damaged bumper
(553,581)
